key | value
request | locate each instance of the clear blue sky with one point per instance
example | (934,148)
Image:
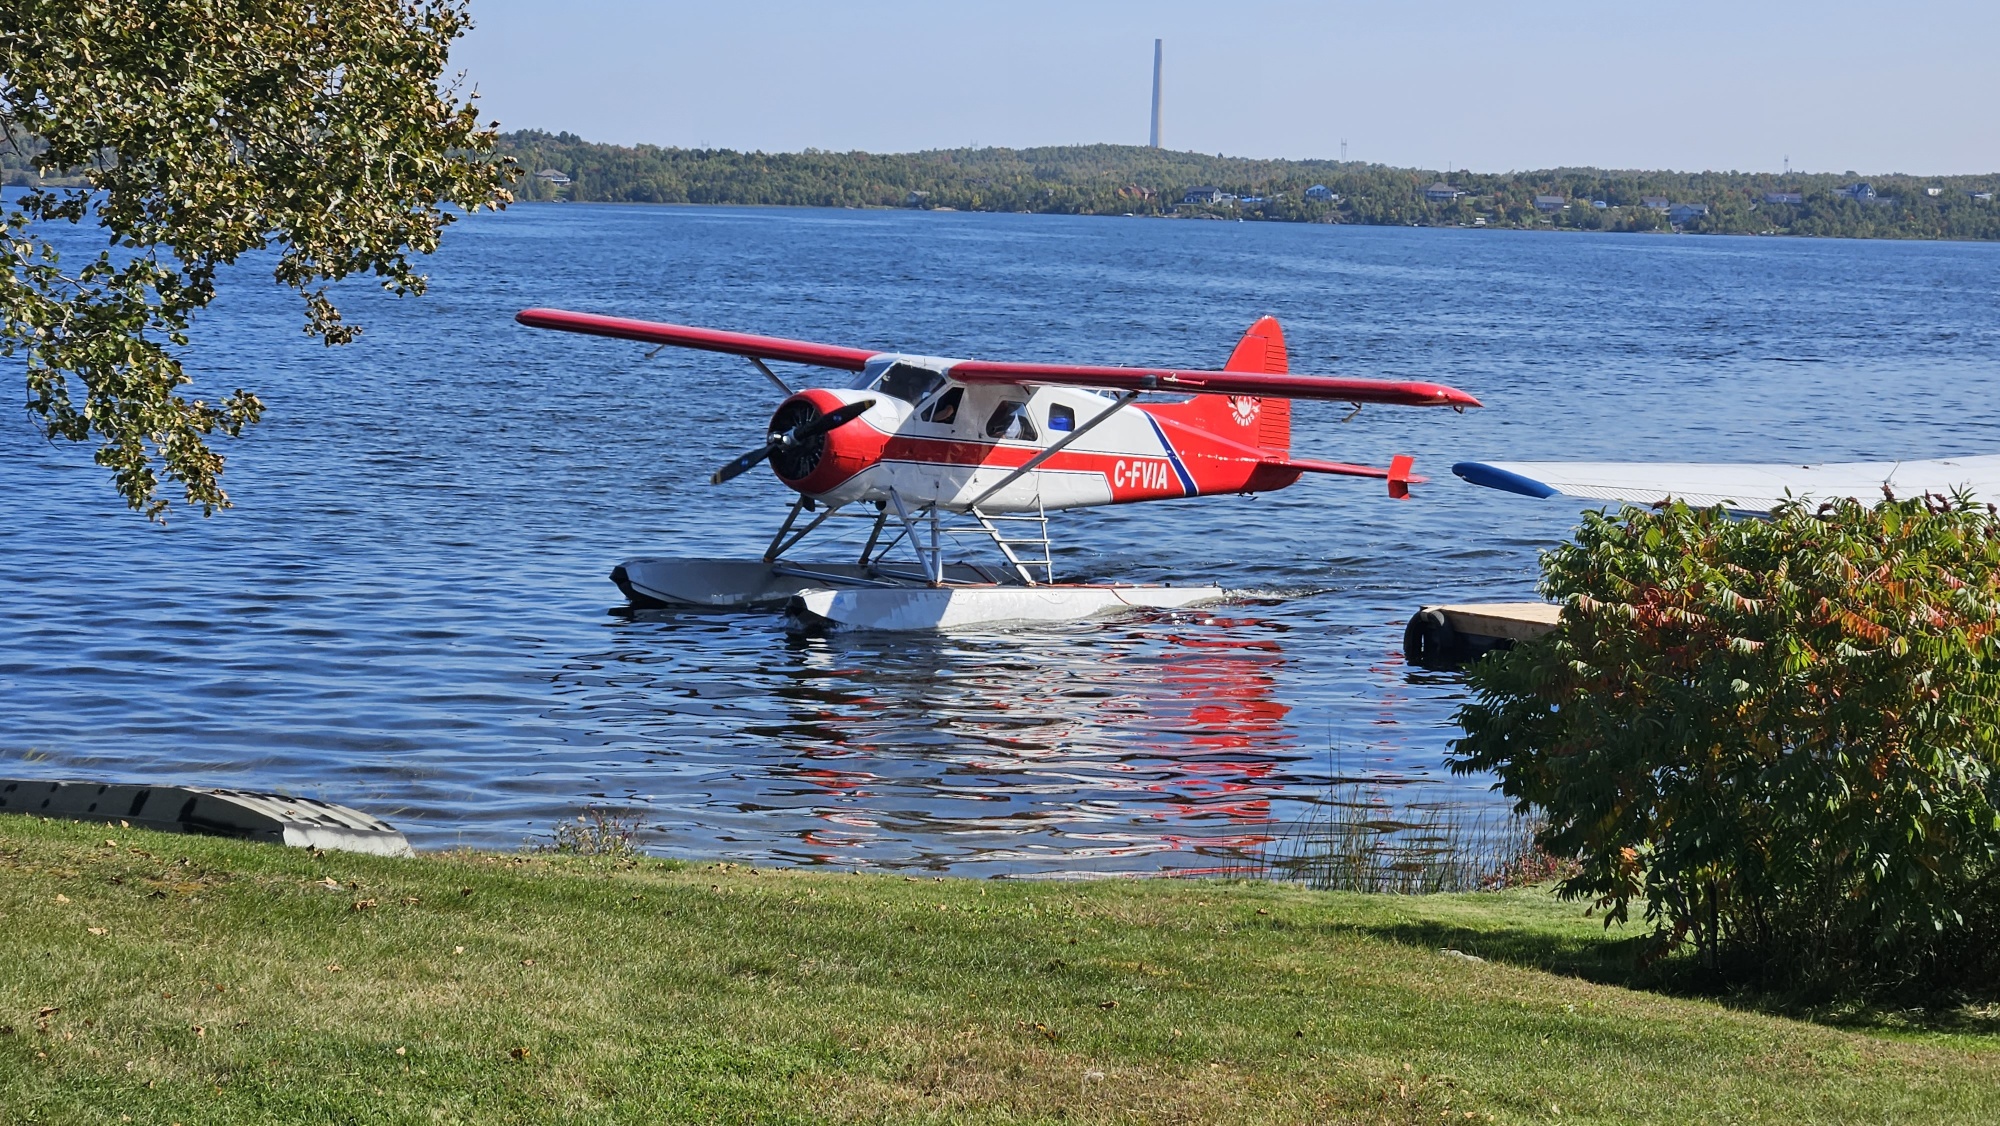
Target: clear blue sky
(1834,84)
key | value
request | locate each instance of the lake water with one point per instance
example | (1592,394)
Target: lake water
(408,610)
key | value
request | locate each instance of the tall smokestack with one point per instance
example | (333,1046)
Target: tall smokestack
(1156,94)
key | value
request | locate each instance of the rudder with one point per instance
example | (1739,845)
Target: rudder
(1265,424)
(1261,350)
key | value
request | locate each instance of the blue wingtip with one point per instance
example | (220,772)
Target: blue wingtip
(1480,473)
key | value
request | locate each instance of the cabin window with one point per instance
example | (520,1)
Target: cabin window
(909,382)
(944,412)
(1010,420)
(1061,418)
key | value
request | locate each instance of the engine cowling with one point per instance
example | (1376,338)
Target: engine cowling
(821,463)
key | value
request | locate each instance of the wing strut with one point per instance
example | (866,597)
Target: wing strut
(768,373)
(1055,448)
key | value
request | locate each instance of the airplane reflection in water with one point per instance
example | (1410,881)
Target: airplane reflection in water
(1126,746)
(1174,743)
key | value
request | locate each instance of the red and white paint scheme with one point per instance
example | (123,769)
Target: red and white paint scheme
(918,437)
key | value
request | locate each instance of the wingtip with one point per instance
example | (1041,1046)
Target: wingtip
(1494,477)
(1445,395)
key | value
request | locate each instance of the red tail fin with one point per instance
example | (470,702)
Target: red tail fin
(1262,349)
(1264,423)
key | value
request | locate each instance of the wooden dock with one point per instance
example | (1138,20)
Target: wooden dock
(1450,637)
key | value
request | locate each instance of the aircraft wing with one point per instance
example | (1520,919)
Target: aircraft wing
(706,339)
(1412,394)
(1749,489)
(983,371)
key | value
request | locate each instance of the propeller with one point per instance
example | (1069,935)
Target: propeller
(788,439)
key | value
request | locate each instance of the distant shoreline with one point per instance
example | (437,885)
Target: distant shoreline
(1127,179)
(878,208)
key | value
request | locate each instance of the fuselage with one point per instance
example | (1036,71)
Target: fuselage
(934,440)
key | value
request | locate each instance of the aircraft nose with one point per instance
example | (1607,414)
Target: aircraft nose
(824,457)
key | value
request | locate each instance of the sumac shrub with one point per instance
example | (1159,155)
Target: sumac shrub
(1780,737)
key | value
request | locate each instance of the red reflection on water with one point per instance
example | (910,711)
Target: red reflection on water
(1137,742)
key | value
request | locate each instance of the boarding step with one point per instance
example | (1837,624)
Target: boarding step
(1026,554)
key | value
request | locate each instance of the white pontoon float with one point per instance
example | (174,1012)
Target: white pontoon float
(874,593)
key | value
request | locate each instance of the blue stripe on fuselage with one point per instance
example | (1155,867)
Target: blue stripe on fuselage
(1173,459)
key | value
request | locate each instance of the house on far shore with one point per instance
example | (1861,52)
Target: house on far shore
(1320,193)
(1933,192)
(1684,213)
(553,178)
(1983,197)
(1441,192)
(1656,202)
(1206,194)
(1784,197)
(1550,203)
(1861,192)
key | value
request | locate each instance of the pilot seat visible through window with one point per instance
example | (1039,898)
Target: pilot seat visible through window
(1010,420)
(944,412)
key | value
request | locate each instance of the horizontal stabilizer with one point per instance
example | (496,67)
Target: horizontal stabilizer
(1398,474)
(1745,488)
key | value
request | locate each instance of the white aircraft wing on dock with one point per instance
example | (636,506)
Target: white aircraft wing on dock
(1744,488)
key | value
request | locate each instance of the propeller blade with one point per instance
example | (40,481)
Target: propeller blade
(830,421)
(745,463)
(833,420)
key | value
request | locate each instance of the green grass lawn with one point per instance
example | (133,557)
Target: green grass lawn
(164,979)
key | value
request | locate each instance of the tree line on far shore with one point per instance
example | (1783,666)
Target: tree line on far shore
(1130,179)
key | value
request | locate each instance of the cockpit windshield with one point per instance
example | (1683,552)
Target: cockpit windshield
(907,382)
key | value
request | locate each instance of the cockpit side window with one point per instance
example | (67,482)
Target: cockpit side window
(1061,417)
(909,383)
(944,412)
(1010,420)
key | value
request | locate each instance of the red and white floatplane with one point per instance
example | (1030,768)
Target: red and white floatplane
(930,450)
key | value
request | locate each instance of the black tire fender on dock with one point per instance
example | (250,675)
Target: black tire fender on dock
(1430,642)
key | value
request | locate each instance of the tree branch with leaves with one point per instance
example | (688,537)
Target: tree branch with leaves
(207,130)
